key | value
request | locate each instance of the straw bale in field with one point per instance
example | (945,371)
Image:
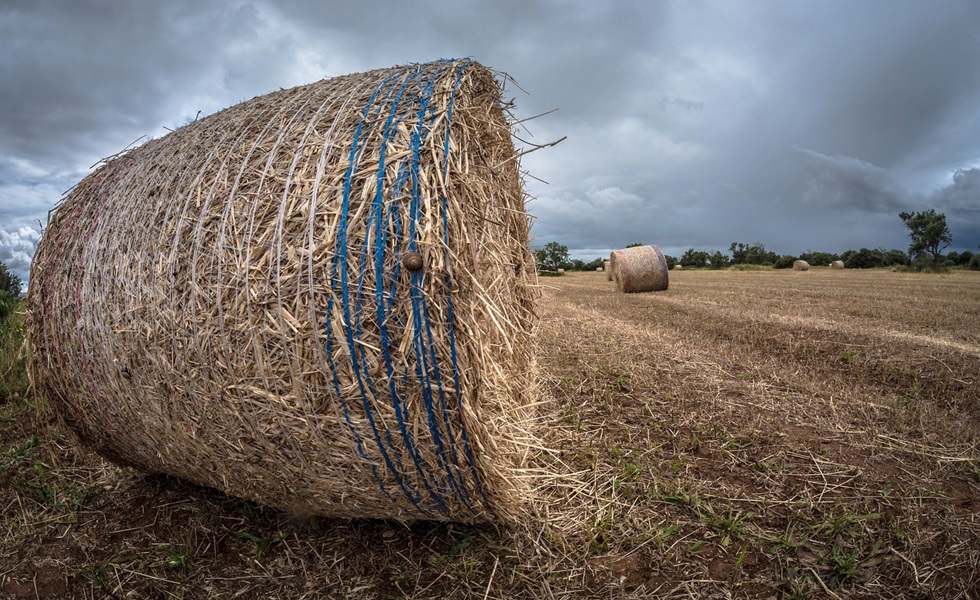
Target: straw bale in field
(639,269)
(320,299)
(801,265)
(678,267)
(837,264)
(608,269)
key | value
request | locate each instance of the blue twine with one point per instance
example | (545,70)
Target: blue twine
(339,253)
(384,228)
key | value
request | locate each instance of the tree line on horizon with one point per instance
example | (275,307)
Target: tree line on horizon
(927,230)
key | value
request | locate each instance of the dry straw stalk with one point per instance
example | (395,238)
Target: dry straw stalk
(639,269)
(241,303)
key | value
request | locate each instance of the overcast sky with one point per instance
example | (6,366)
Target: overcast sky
(800,125)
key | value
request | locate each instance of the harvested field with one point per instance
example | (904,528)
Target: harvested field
(741,435)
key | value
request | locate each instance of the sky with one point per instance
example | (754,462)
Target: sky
(803,126)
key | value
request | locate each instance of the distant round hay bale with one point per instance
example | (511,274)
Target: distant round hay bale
(561,271)
(801,265)
(678,267)
(320,299)
(609,274)
(837,264)
(598,269)
(639,269)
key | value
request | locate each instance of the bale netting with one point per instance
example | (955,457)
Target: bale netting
(320,300)
(837,264)
(801,265)
(639,269)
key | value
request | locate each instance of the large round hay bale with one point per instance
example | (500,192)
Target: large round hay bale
(606,266)
(639,269)
(320,299)
(837,264)
(801,265)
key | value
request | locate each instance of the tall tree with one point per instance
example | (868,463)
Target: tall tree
(755,254)
(9,282)
(9,291)
(553,256)
(928,232)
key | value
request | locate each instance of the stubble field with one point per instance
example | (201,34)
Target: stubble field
(745,434)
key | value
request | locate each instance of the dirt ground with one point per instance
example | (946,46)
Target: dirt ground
(745,434)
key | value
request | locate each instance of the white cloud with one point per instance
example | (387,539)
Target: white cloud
(17,249)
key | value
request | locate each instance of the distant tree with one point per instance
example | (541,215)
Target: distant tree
(633,245)
(9,291)
(959,259)
(552,257)
(695,258)
(929,233)
(595,264)
(755,254)
(818,258)
(785,262)
(672,261)
(863,258)
(719,260)
(9,282)
(739,251)
(894,257)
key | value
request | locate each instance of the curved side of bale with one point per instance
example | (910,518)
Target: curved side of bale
(801,265)
(236,303)
(607,266)
(837,264)
(639,269)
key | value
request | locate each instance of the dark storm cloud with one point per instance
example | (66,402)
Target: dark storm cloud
(85,76)
(684,121)
(960,202)
(843,182)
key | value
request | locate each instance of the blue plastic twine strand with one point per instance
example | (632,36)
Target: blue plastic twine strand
(340,265)
(425,350)
(376,217)
(401,98)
